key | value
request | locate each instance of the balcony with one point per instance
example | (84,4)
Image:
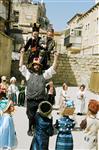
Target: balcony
(72,41)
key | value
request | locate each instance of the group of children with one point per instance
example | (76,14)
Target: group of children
(65,124)
(80,98)
(44,127)
(12,91)
(11,95)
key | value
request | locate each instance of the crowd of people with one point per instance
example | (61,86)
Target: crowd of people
(37,92)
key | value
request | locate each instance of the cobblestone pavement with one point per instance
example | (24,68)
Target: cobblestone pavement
(21,123)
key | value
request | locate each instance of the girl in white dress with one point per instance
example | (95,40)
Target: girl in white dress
(64,96)
(81,100)
(13,90)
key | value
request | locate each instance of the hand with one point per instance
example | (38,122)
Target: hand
(22,50)
(56,54)
(43,45)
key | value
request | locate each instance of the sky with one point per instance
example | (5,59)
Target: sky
(60,12)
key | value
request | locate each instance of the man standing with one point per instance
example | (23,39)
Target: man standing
(36,82)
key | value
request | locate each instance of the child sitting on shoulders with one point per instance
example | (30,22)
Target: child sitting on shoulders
(81,100)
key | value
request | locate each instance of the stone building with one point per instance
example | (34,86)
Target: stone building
(82,46)
(5,15)
(82,37)
(5,40)
(25,14)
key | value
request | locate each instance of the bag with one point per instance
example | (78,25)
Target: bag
(83,124)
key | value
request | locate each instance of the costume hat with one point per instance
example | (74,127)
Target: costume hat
(93,106)
(37,61)
(36,27)
(45,108)
(12,79)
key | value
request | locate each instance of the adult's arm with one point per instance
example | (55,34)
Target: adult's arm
(22,68)
(28,44)
(52,70)
(21,58)
(54,65)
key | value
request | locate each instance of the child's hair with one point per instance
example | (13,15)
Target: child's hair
(64,84)
(93,106)
(82,85)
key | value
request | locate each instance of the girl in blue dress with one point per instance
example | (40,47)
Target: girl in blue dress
(64,125)
(8,139)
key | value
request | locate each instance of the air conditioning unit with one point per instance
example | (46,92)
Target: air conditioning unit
(72,32)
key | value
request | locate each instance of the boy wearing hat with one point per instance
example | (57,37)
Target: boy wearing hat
(64,125)
(33,43)
(43,127)
(92,126)
(36,83)
(8,138)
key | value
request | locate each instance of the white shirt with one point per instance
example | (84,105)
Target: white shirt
(47,74)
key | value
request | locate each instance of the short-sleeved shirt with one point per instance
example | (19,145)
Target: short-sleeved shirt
(36,83)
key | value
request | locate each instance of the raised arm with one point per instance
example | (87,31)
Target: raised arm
(21,58)
(56,54)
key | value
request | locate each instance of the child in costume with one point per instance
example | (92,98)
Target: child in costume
(33,43)
(64,95)
(13,90)
(92,126)
(4,85)
(64,125)
(8,140)
(47,47)
(81,100)
(51,92)
(43,127)
(21,96)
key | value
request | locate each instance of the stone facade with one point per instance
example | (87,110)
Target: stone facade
(86,41)
(76,70)
(5,54)
(5,14)
(25,15)
(72,70)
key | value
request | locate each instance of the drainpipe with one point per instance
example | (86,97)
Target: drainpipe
(8,18)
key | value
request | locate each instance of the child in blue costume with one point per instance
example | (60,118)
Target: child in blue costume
(64,125)
(43,128)
(8,138)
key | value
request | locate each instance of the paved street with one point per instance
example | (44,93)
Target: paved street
(21,123)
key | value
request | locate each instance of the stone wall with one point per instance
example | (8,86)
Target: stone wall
(5,54)
(76,70)
(73,70)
